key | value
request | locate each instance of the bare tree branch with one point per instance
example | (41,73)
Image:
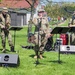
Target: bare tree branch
(29,3)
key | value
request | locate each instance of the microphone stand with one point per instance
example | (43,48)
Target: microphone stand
(39,25)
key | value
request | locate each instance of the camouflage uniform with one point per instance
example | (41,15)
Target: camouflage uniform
(5,24)
(40,32)
(72,35)
(72,39)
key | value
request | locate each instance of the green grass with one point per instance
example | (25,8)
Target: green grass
(47,66)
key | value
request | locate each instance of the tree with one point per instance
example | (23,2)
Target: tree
(0,0)
(57,9)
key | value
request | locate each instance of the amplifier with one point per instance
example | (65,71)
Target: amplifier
(67,48)
(9,59)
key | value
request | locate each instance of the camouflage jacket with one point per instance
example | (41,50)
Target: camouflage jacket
(41,26)
(5,21)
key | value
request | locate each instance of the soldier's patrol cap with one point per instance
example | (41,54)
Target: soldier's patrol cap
(30,34)
(5,9)
(40,10)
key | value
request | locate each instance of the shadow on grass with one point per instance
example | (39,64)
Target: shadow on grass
(38,61)
(0,49)
(57,61)
(34,55)
(6,51)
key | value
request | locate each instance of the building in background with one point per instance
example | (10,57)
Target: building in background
(20,10)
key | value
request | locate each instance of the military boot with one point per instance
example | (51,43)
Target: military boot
(35,57)
(3,51)
(41,57)
(12,49)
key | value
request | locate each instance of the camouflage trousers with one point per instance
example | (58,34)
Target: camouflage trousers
(4,35)
(72,39)
(40,42)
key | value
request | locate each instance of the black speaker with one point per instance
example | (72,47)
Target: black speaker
(9,59)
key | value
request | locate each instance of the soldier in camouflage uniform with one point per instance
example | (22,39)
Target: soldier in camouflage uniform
(72,35)
(5,22)
(41,33)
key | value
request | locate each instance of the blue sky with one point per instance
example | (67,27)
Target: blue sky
(44,1)
(64,0)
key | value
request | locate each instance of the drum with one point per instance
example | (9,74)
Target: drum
(64,38)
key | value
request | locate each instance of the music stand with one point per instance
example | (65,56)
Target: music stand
(15,28)
(59,30)
(72,29)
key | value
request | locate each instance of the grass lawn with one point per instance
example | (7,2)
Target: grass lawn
(46,66)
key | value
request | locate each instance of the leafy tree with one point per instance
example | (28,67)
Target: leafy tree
(57,9)
(0,0)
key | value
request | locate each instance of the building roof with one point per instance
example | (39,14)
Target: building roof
(17,3)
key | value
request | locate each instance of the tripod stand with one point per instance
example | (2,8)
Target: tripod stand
(15,28)
(38,30)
